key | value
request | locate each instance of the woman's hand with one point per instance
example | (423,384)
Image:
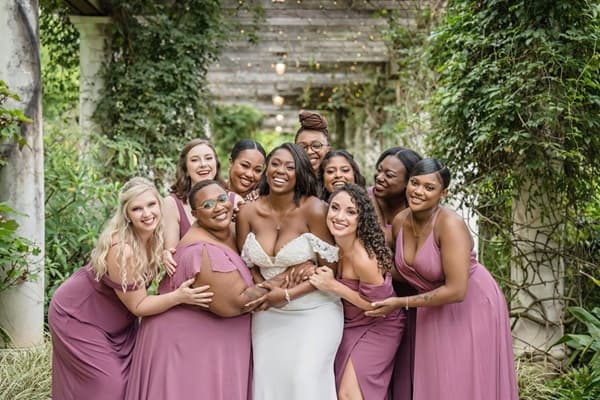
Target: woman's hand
(323,279)
(300,273)
(169,261)
(253,195)
(274,298)
(385,307)
(198,296)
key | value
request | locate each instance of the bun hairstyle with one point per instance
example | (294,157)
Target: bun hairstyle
(429,166)
(311,121)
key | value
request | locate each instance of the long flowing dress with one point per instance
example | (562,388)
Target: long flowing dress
(93,335)
(294,347)
(370,343)
(463,351)
(190,353)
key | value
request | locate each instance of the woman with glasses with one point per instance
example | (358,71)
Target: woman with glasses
(93,315)
(197,162)
(296,330)
(313,137)
(194,353)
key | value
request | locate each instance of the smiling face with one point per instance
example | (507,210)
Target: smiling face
(342,215)
(281,172)
(245,171)
(336,173)
(201,163)
(144,212)
(315,145)
(424,192)
(390,178)
(212,208)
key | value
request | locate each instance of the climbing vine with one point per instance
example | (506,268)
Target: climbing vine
(155,95)
(517,116)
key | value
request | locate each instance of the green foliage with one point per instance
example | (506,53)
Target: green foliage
(155,95)
(10,121)
(15,262)
(577,384)
(585,346)
(60,59)
(232,123)
(79,200)
(518,101)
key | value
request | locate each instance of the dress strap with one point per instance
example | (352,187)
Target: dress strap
(184,223)
(232,197)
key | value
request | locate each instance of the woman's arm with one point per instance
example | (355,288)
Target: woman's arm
(323,280)
(455,248)
(141,304)
(171,232)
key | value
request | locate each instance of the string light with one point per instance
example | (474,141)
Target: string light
(278,100)
(279,117)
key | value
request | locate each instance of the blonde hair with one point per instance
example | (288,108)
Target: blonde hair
(120,233)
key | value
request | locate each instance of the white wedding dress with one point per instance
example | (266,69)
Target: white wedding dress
(294,347)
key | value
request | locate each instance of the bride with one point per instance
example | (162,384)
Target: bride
(295,338)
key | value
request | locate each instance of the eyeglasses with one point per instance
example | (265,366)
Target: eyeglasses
(314,146)
(212,203)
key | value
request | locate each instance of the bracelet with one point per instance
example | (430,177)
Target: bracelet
(287,296)
(406,306)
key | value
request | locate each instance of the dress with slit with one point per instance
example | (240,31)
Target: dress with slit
(370,343)
(463,351)
(93,335)
(190,353)
(294,346)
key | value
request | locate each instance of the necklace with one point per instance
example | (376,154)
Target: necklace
(282,216)
(414,226)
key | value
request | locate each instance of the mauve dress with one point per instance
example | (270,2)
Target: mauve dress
(370,342)
(463,351)
(190,353)
(93,335)
(184,222)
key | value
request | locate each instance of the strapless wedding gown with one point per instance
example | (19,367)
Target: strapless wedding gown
(294,347)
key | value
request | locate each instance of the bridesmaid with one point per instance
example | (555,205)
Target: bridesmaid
(197,162)
(246,165)
(388,193)
(364,361)
(188,353)
(313,137)
(463,347)
(337,168)
(93,315)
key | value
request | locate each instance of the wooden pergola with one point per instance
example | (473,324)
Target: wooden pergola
(324,43)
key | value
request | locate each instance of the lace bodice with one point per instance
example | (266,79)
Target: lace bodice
(302,248)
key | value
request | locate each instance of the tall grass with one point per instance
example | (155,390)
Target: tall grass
(26,374)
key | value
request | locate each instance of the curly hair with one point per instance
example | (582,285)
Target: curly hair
(306,180)
(120,233)
(368,228)
(359,179)
(183,182)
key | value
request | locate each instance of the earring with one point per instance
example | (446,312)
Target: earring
(128,220)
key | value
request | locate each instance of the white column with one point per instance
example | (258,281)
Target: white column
(93,36)
(22,179)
